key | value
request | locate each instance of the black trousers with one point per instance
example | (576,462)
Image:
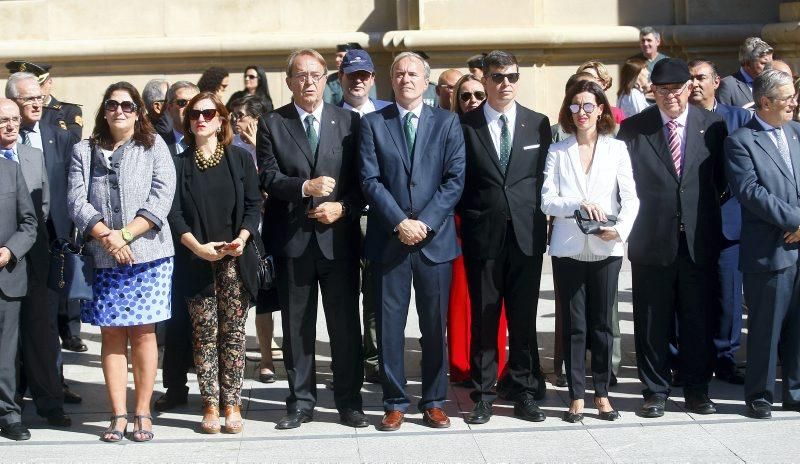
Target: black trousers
(298,281)
(513,278)
(178,353)
(659,293)
(69,319)
(586,291)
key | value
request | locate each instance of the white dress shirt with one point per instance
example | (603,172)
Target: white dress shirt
(495,126)
(366,108)
(417,112)
(317,120)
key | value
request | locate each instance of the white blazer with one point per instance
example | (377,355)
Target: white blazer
(610,185)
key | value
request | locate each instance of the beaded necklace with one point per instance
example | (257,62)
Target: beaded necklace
(204,163)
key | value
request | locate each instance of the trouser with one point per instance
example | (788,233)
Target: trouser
(9,343)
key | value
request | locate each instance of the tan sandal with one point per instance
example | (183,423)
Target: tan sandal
(233,426)
(210,426)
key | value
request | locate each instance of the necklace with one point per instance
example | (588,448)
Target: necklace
(204,163)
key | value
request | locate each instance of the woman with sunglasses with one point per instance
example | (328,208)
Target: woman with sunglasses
(634,83)
(215,214)
(589,172)
(468,94)
(120,188)
(255,84)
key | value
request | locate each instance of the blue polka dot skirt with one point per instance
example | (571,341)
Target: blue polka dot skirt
(130,295)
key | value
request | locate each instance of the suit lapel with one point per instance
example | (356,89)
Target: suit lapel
(522,129)
(694,138)
(294,126)
(794,150)
(765,142)
(395,128)
(424,130)
(326,127)
(743,87)
(482,129)
(658,141)
(574,156)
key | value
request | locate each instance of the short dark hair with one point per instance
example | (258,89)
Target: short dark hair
(605,123)
(498,59)
(711,64)
(225,136)
(252,105)
(143,132)
(212,79)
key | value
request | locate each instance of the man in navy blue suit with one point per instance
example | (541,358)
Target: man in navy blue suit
(412,176)
(727,323)
(763,167)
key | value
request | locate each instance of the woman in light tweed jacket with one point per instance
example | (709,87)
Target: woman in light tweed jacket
(124,221)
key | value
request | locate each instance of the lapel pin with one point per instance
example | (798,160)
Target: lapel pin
(701,131)
(333,122)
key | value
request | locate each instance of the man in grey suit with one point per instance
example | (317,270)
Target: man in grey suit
(17,234)
(763,166)
(755,56)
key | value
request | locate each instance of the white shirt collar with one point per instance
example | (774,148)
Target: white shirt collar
(317,113)
(366,108)
(681,118)
(35,128)
(494,115)
(178,136)
(417,111)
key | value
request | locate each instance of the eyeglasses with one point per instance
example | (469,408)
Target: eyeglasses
(446,86)
(786,99)
(250,77)
(16,120)
(466,96)
(313,78)
(665,91)
(208,114)
(31,100)
(241,114)
(112,105)
(498,78)
(587,107)
(181,102)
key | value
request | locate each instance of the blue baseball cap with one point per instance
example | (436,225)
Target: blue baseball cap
(357,60)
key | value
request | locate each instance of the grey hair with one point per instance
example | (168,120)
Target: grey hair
(416,56)
(305,52)
(177,86)
(154,91)
(767,83)
(752,49)
(16,78)
(649,30)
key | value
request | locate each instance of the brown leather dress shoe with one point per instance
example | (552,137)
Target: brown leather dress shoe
(436,418)
(392,420)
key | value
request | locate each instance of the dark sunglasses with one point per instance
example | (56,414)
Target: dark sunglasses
(587,108)
(465,96)
(112,105)
(498,78)
(241,114)
(250,77)
(181,102)
(208,114)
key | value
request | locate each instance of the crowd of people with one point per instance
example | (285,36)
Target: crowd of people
(453,189)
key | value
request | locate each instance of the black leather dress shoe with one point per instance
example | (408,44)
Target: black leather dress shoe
(572,417)
(293,420)
(528,410)
(734,376)
(57,418)
(353,418)
(74,344)
(791,406)
(70,397)
(15,431)
(372,377)
(700,403)
(759,410)
(653,407)
(481,413)
(172,398)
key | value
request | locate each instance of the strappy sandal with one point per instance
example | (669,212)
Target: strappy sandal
(210,426)
(140,434)
(233,426)
(111,434)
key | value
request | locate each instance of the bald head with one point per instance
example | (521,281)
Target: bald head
(9,123)
(780,65)
(446,84)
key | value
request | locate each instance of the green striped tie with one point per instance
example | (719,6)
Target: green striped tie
(411,133)
(311,133)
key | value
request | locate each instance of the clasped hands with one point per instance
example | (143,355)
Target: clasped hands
(214,251)
(596,213)
(792,237)
(411,231)
(322,186)
(116,246)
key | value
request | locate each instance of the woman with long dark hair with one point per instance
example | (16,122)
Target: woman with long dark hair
(255,84)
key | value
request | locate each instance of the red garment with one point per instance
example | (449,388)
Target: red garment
(618,114)
(458,324)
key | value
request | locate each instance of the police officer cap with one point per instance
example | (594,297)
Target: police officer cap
(40,70)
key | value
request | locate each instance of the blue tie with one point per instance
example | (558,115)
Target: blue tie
(10,155)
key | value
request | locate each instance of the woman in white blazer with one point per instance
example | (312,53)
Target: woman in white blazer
(589,171)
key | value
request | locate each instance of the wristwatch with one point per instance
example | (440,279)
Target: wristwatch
(127,235)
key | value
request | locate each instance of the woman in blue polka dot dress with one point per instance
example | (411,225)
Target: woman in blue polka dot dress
(124,220)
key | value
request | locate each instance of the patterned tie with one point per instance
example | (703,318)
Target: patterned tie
(505,143)
(26,140)
(783,148)
(10,155)
(411,133)
(311,133)
(675,145)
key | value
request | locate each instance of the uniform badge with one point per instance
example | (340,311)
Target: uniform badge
(62,124)
(79,120)
(23,67)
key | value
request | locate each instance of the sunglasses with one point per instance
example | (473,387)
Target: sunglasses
(250,77)
(587,107)
(112,105)
(208,114)
(181,102)
(498,78)
(465,96)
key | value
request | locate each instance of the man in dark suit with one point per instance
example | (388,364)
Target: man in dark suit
(727,321)
(178,97)
(412,174)
(17,235)
(763,165)
(504,236)
(334,91)
(676,154)
(307,158)
(755,56)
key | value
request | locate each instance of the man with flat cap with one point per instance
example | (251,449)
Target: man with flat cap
(333,93)
(677,159)
(65,115)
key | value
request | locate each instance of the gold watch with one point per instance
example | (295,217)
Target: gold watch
(127,235)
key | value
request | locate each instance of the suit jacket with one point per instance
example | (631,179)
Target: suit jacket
(285,162)
(17,228)
(769,195)
(57,146)
(396,189)
(491,199)
(734,91)
(665,200)
(169,139)
(610,184)
(735,118)
(34,171)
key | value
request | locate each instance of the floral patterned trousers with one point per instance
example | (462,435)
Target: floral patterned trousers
(218,332)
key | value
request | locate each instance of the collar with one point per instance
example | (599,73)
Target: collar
(764,124)
(13,148)
(747,78)
(317,113)
(494,115)
(366,108)
(714,107)
(178,136)
(417,111)
(681,118)
(35,128)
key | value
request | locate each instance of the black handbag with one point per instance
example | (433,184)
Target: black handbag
(265,270)
(590,226)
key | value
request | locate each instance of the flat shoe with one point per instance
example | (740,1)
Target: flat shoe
(266,376)
(112,435)
(608,415)
(139,434)
(572,417)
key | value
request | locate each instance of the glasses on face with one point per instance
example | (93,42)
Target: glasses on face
(666,91)
(250,77)
(208,114)
(31,100)
(112,105)
(785,100)
(236,115)
(587,108)
(181,102)
(466,96)
(498,78)
(15,120)
(312,78)
(446,86)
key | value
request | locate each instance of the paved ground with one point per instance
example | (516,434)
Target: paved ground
(677,437)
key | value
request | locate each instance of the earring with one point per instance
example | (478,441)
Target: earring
(219,129)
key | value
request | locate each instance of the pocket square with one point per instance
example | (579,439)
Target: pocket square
(530,147)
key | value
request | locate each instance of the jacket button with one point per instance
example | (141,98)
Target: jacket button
(116,210)
(116,165)
(113,186)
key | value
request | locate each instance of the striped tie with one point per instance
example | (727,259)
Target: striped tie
(675,145)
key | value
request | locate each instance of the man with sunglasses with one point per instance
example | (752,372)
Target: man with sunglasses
(504,234)
(178,97)
(677,159)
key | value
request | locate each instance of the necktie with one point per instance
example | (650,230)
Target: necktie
(311,133)
(411,133)
(10,155)
(505,142)
(675,145)
(783,148)
(26,140)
